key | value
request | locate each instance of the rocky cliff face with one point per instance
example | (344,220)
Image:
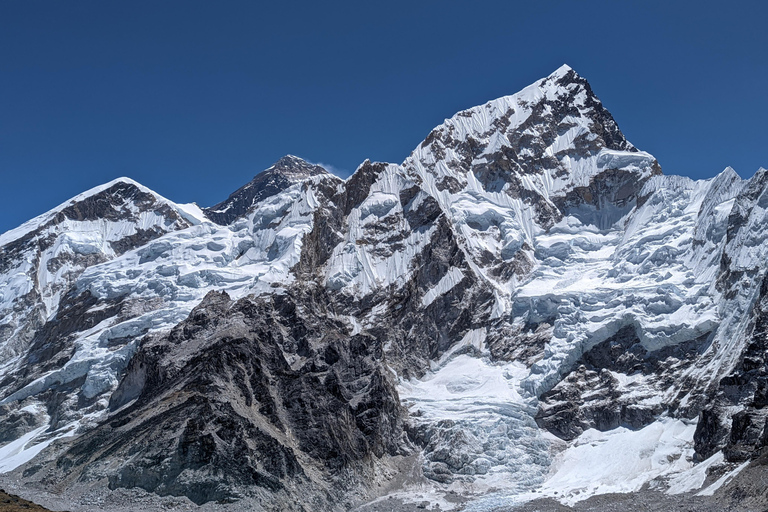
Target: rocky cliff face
(734,418)
(255,396)
(526,269)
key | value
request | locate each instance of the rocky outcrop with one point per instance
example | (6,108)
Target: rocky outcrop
(592,395)
(258,395)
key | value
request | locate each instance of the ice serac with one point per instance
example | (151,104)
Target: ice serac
(281,175)
(524,285)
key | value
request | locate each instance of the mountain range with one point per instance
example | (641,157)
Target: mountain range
(526,308)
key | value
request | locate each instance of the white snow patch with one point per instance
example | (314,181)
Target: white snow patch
(694,477)
(620,460)
(709,491)
(448,281)
(22,450)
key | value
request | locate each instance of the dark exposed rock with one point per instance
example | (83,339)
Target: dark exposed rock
(710,434)
(524,344)
(242,394)
(113,204)
(741,435)
(357,188)
(16,423)
(608,197)
(603,123)
(589,396)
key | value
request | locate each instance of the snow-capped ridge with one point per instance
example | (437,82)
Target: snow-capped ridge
(16,233)
(562,71)
(666,182)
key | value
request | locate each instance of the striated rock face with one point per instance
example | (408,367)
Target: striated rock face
(592,395)
(525,269)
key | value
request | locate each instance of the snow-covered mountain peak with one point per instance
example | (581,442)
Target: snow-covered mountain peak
(525,268)
(43,257)
(118,199)
(284,173)
(507,171)
(295,168)
(551,137)
(562,70)
(120,186)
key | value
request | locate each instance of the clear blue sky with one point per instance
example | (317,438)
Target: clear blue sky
(192,98)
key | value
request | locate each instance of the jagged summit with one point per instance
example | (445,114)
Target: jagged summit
(562,70)
(282,174)
(296,168)
(547,148)
(555,131)
(114,200)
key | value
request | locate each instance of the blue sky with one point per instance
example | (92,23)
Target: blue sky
(192,98)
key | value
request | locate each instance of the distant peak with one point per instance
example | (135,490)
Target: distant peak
(121,180)
(109,185)
(281,175)
(112,191)
(563,77)
(728,179)
(290,159)
(296,168)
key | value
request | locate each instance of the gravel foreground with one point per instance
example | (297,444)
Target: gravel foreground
(12,503)
(647,501)
(747,492)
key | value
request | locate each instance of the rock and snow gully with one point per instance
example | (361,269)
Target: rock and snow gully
(525,308)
